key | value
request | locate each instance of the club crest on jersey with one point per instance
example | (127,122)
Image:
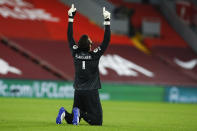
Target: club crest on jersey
(75,47)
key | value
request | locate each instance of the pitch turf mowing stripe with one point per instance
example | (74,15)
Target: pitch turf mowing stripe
(17,114)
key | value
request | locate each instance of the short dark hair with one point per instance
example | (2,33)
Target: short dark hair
(84,43)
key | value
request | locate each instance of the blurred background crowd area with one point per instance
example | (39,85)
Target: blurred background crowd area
(152,53)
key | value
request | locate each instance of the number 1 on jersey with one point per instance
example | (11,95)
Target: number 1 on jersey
(83,65)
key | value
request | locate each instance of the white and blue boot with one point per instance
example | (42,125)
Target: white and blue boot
(61,115)
(76,115)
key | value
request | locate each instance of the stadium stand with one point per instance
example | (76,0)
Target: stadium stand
(169,47)
(163,73)
(168,35)
(46,42)
(186,63)
(50,29)
(55,53)
(15,65)
(117,55)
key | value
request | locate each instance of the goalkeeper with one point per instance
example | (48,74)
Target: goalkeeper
(87,81)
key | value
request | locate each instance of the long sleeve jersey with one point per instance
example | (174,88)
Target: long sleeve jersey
(86,63)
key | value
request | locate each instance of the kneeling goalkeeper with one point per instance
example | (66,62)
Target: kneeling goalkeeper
(87,81)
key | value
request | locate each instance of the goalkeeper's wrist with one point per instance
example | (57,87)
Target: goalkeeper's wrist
(107,21)
(70,19)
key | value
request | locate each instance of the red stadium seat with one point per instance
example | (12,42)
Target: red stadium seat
(23,68)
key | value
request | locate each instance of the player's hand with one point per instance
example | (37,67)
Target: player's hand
(106,15)
(72,11)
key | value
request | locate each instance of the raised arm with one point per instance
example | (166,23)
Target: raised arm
(71,14)
(106,39)
(107,35)
(70,34)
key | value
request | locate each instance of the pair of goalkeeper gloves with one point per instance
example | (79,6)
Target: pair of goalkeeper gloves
(72,12)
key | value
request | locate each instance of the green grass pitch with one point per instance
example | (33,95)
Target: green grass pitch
(22,114)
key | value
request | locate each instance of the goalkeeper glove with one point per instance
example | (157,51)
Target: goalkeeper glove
(106,15)
(71,13)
